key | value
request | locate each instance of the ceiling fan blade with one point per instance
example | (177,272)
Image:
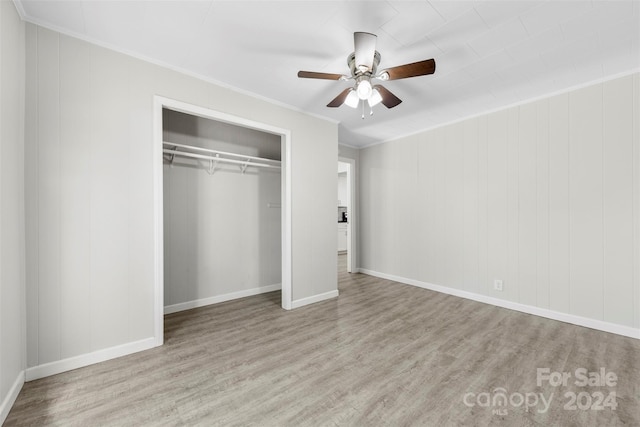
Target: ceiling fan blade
(314,75)
(365,49)
(420,68)
(339,100)
(388,99)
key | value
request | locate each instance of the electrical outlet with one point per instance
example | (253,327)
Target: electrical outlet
(497,285)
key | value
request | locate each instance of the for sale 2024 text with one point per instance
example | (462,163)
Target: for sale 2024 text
(597,400)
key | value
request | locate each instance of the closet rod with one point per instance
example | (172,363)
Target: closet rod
(218,159)
(222,153)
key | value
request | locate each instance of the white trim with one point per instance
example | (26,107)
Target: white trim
(20,8)
(313,299)
(207,113)
(355,147)
(600,325)
(286,220)
(11,397)
(87,359)
(505,107)
(158,221)
(352,227)
(285,134)
(174,308)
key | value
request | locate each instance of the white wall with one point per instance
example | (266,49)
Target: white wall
(90,206)
(544,196)
(12,255)
(221,237)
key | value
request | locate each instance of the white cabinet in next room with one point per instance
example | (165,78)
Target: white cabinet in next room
(342,236)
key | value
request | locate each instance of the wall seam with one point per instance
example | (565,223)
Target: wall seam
(506,195)
(129,257)
(23,267)
(604,206)
(37,186)
(517,248)
(568,139)
(2,374)
(634,206)
(537,220)
(477,133)
(59,121)
(548,142)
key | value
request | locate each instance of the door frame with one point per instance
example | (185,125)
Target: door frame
(352,228)
(158,218)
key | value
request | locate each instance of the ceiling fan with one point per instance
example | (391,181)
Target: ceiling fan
(363,63)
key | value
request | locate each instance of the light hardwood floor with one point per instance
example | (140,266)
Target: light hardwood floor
(382,354)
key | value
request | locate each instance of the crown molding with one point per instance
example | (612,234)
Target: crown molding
(163,64)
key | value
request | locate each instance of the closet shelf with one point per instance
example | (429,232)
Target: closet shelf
(172,149)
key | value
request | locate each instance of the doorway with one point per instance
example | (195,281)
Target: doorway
(346,214)
(160,104)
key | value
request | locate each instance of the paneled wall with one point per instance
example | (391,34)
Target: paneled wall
(543,196)
(12,256)
(89,183)
(222,231)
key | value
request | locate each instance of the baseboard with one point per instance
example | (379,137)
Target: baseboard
(174,308)
(524,308)
(11,397)
(59,366)
(313,299)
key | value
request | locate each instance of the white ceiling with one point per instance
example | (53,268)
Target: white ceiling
(489,54)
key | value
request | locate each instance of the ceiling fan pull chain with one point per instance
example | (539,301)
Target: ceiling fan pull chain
(371,112)
(362,110)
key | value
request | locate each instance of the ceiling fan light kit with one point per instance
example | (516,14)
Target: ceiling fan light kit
(363,64)
(363,88)
(375,97)
(352,99)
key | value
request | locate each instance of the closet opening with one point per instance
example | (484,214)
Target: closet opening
(223,214)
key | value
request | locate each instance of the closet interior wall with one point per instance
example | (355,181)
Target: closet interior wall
(222,230)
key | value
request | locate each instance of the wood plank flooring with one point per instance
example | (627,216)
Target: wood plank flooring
(382,354)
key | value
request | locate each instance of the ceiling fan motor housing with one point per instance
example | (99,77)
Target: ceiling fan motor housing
(357,72)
